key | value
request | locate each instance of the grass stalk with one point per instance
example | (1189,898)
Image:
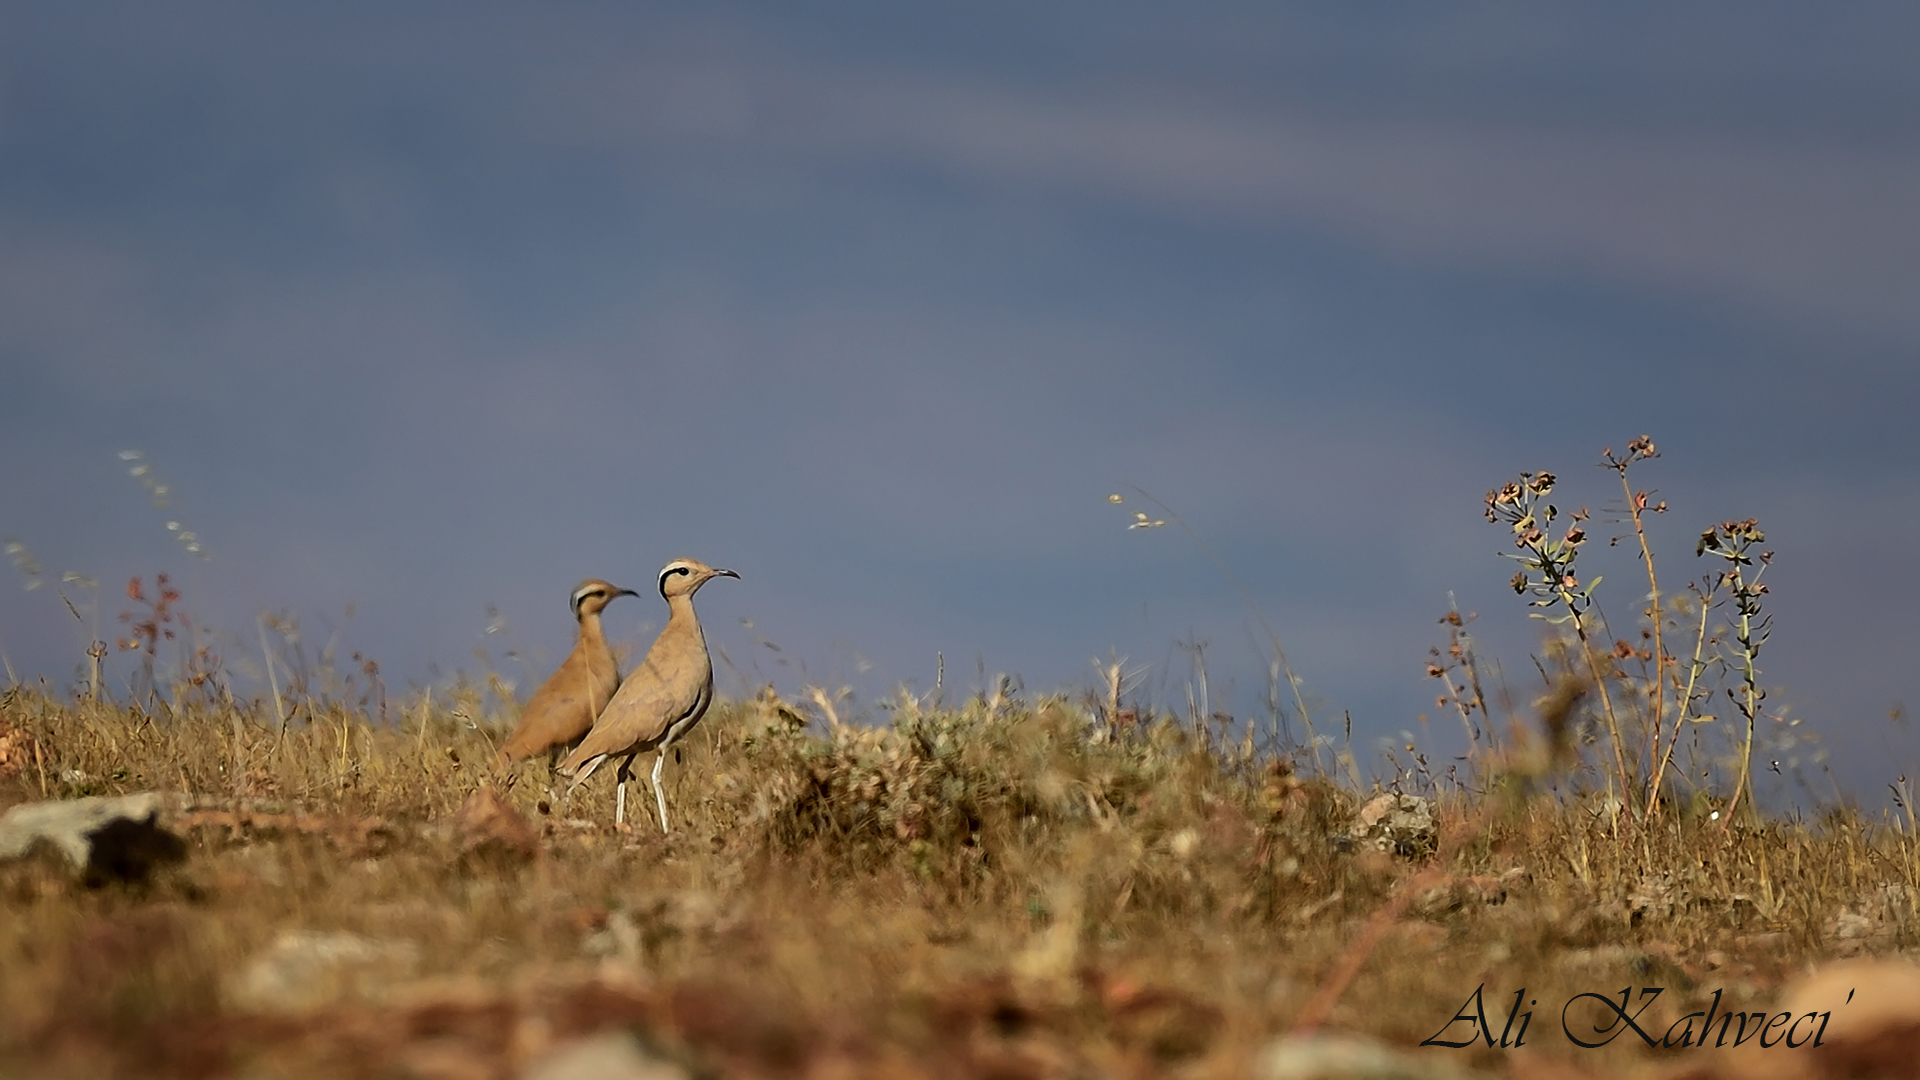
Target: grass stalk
(1642,449)
(1246,596)
(1684,701)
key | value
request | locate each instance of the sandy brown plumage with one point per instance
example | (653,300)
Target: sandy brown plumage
(662,698)
(567,704)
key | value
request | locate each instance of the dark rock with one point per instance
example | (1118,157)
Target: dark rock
(107,839)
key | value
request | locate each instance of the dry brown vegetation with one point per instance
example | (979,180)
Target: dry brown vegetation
(1013,888)
(1009,890)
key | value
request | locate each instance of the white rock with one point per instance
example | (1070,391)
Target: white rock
(66,823)
(1350,1057)
(107,836)
(307,968)
(612,1056)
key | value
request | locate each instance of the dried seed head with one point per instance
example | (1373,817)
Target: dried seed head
(24,562)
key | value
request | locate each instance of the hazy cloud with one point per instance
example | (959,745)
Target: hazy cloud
(424,314)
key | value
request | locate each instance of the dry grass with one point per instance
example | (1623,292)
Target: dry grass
(1019,889)
(1007,890)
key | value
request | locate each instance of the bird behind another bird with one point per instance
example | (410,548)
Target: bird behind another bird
(662,699)
(567,704)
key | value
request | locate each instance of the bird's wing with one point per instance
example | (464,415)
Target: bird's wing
(654,695)
(564,707)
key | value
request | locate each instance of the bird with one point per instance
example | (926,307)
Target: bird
(660,700)
(567,704)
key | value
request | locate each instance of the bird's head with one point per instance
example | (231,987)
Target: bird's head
(591,595)
(682,576)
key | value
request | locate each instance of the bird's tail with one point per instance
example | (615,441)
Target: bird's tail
(581,771)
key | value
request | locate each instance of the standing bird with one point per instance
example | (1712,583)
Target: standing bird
(662,699)
(566,705)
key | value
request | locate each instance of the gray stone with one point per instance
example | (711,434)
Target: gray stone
(106,837)
(1399,824)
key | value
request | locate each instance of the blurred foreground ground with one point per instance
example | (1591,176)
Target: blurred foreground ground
(1007,890)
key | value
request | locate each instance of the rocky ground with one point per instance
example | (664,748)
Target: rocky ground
(1010,890)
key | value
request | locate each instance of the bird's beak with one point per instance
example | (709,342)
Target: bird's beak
(625,592)
(726,573)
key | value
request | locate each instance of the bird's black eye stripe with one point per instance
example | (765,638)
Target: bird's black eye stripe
(669,572)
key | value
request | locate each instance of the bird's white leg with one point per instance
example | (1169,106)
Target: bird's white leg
(660,759)
(620,793)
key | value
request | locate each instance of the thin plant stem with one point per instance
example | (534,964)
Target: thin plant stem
(1606,699)
(1460,652)
(1732,541)
(1685,702)
(1750,708)
(1280,654)
(1636,503)
(273,679)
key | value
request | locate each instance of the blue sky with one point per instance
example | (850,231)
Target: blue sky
(423,309)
